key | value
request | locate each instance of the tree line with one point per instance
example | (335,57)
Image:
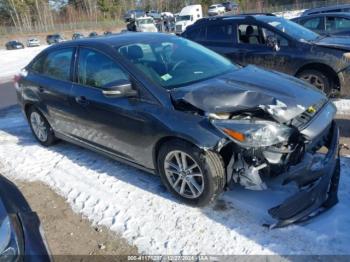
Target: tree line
(41,15)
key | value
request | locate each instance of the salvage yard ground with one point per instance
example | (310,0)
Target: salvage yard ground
(66,232)
(135,206)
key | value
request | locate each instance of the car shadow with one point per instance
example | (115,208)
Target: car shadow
(240,211)
(344,126)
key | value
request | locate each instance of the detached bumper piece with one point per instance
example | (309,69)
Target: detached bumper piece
(318,188)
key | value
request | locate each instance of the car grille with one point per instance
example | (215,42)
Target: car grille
(178,28)
(302,120)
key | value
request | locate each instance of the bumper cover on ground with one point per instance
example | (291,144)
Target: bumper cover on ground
(319,188)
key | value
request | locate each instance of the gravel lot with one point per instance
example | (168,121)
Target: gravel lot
(66,232)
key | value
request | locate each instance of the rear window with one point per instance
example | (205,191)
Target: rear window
(222,33)
(196,34)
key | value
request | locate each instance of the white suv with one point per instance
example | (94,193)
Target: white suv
(217,9)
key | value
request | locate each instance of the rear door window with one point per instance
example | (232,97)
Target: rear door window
(196,34)
(220,32)
(58,63)
(37,65)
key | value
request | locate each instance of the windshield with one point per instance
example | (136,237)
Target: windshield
(292,29)
(145,21)
(175,61)
(183,18)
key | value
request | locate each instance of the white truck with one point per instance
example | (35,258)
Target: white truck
(188,16)
(145,24)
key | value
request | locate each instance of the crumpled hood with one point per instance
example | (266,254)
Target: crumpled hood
(247,88)
(339,42)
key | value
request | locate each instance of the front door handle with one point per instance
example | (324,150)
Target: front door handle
(81,100)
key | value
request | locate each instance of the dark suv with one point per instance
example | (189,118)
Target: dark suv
(327,9)
(278,44)
(54,39)
(172,107)
(326,23)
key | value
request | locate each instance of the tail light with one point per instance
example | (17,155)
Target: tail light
(16,80)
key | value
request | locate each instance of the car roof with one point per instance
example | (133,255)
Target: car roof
(115,39)
(248,16)
(325,8)
(336,14)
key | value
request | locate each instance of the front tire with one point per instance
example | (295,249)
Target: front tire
(195,177)
(40,127)
(318,79)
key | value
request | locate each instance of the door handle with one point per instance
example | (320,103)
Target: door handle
(81,100)
(41,89)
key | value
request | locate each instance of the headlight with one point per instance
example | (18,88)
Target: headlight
(250,133)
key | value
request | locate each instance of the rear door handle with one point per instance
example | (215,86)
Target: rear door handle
(81,100)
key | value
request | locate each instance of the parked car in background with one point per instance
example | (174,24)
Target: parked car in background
(22,237)
(33,41)
(14,45)
(217,9)
(188,16)
(77,36)
(231,6)
(172,107)
(279,44)
(93,34)
(327,9)
(167,14)
(154,14)
(54,39)
(133,14)
(326,23)
(145,24)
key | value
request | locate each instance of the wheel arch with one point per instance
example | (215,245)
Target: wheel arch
(29,105)
(167,139)
(323,68)
(26,108)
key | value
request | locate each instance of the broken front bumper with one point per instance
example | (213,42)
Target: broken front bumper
(318,187)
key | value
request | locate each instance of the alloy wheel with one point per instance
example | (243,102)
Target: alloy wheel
(184,174)
(39,127)
(314,80)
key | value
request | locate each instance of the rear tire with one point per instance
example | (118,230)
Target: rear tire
(318,79)
(199,181)
(40,127)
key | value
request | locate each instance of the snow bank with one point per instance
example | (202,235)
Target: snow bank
(12,61)
(137,206)
(343,106)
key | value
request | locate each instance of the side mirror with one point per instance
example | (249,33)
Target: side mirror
(272,42)
(122,88)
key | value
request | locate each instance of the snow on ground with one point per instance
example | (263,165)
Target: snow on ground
(137,206)
(343,106)
(290,14)
(12,61)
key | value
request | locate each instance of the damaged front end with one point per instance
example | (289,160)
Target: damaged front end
(261,148)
